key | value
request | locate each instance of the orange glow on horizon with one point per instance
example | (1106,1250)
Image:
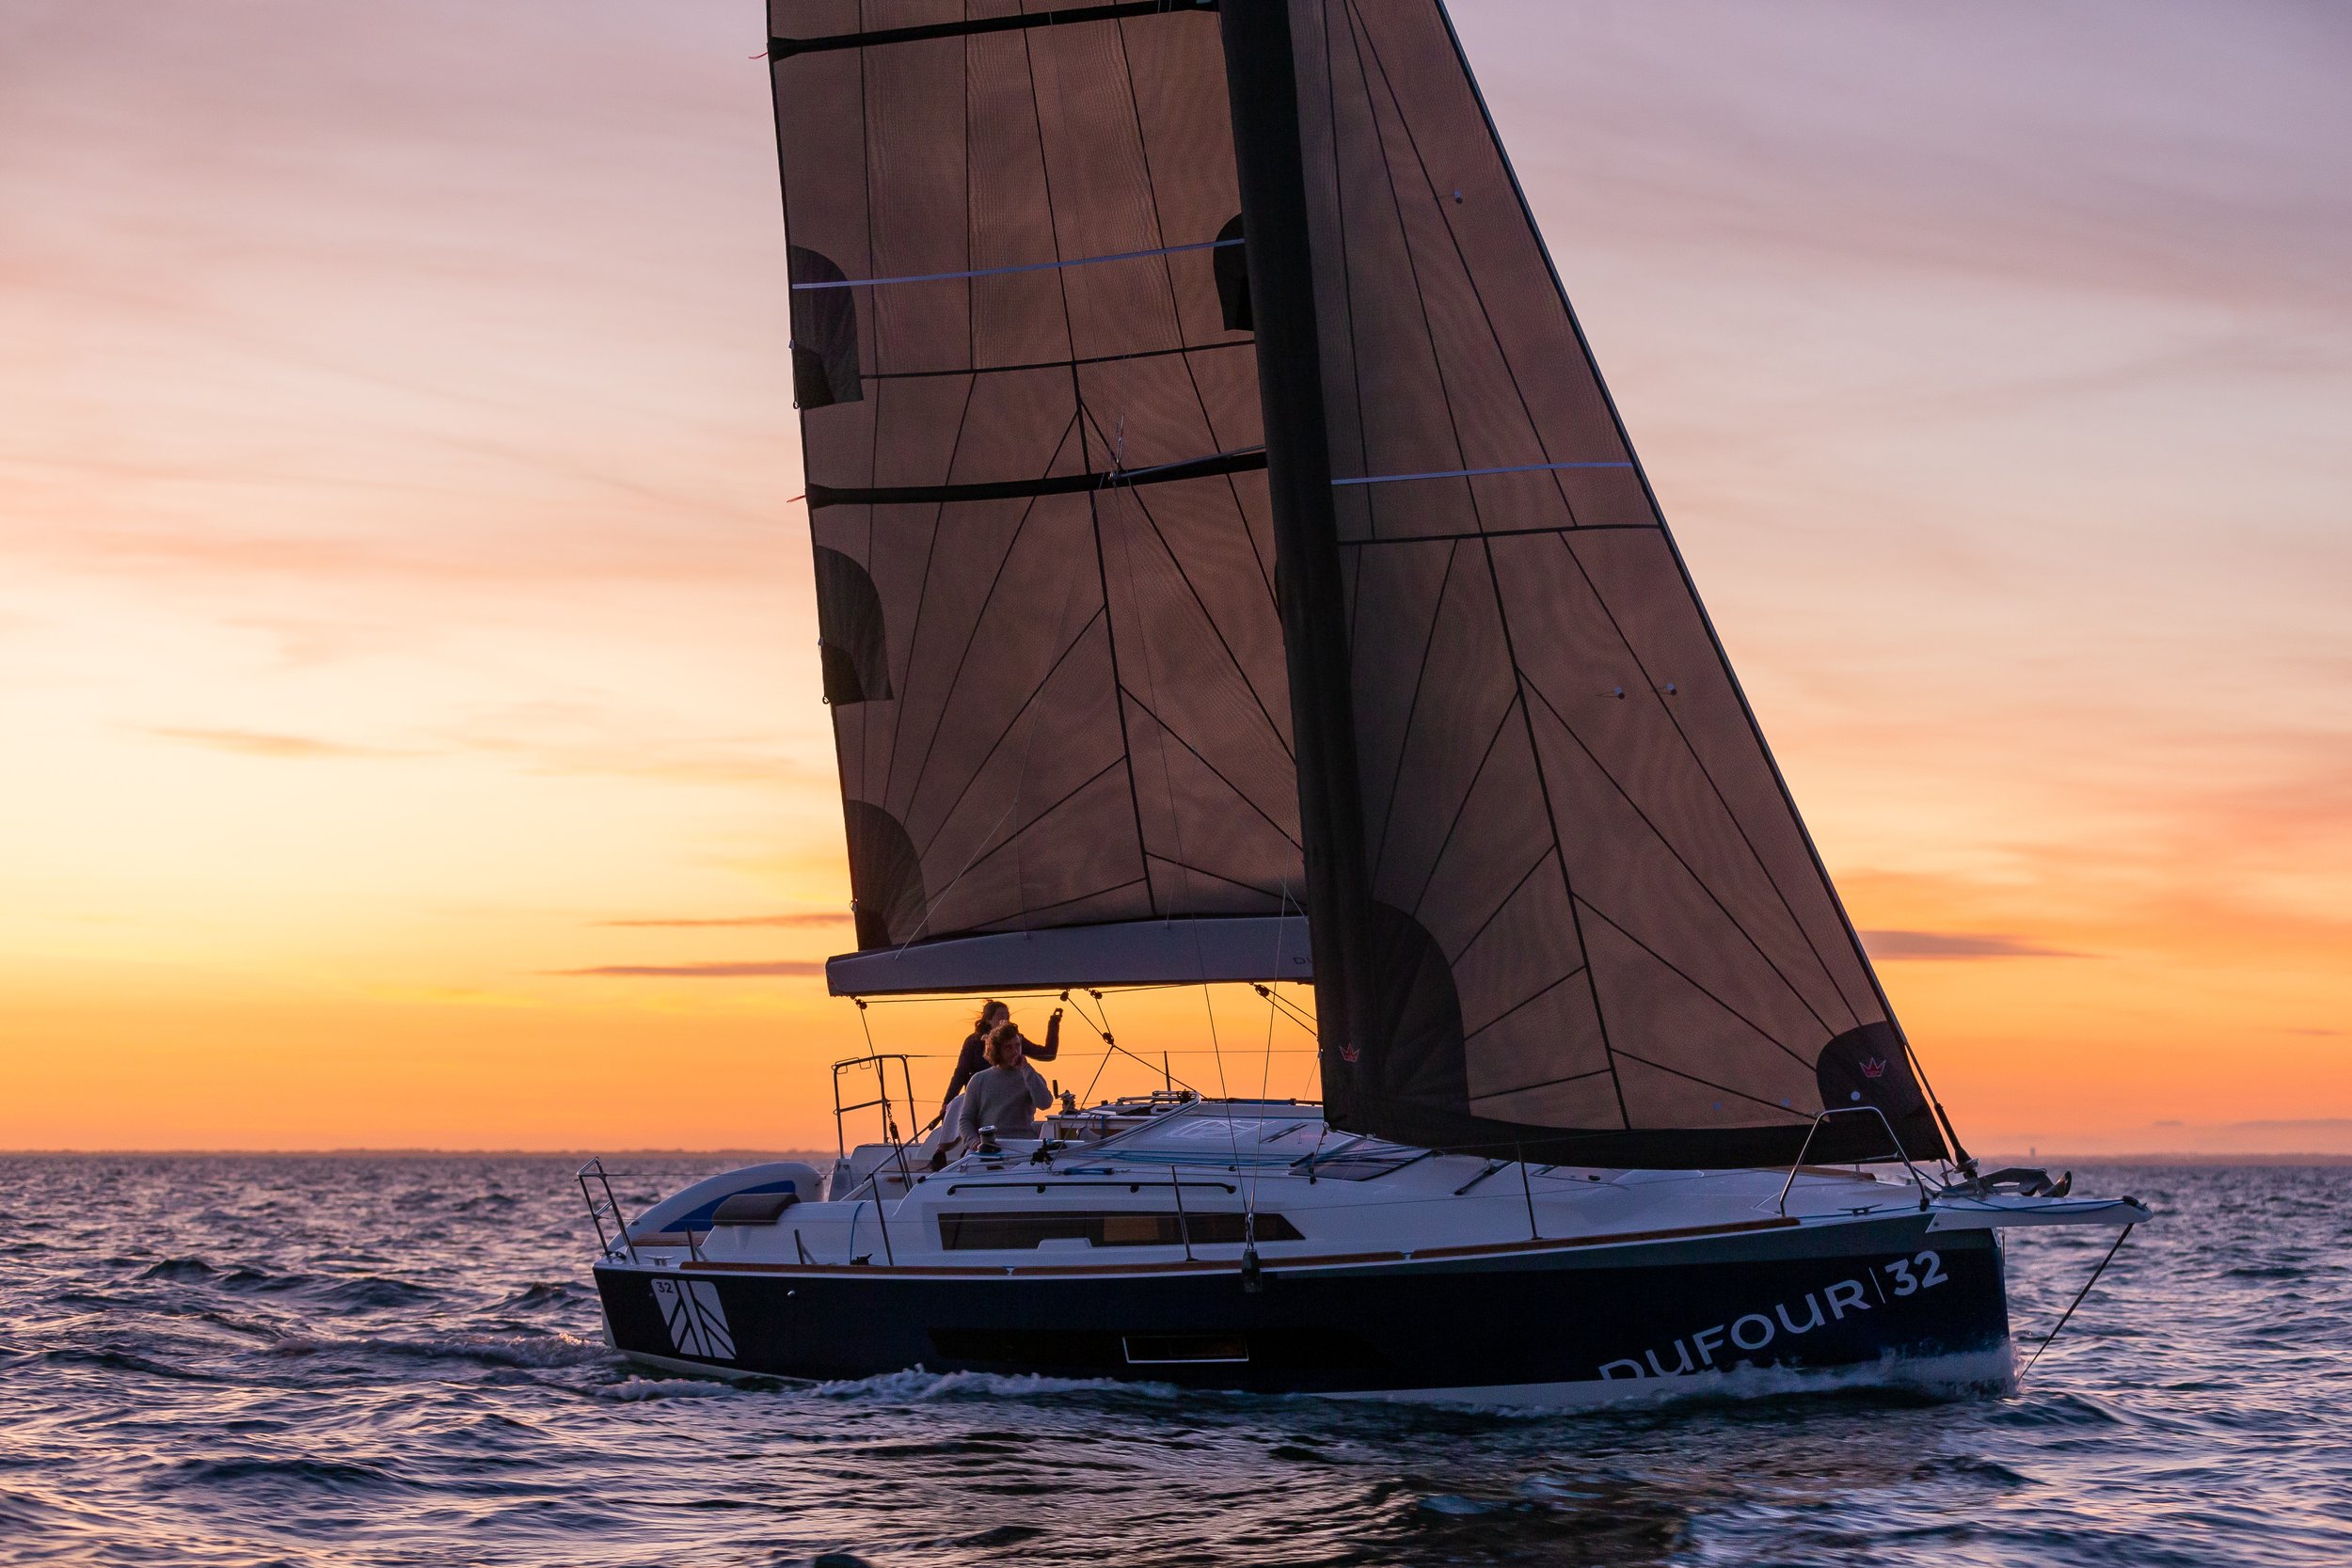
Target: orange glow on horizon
(406,648)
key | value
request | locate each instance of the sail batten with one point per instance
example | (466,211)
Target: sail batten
(780,47)
(1055,484)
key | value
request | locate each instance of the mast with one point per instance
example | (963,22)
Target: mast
(1262,83)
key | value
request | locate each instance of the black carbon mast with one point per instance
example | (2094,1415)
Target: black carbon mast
(1261,79)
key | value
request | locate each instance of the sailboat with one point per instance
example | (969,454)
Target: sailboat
(1232,569)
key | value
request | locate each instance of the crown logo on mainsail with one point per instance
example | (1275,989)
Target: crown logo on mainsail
(1873,1067)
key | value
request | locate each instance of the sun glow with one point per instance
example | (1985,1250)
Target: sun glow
(413,716)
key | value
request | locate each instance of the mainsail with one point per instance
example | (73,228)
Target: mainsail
(1108,319)
(1045,575)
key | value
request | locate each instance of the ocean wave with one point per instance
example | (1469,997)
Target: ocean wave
(108,1360)
(2058,1410)
(335,1474)
(1932,1380)
(631,1391)
(544,1294)
(533,1352)
(374,1293)
(369,1293)
(222,1313)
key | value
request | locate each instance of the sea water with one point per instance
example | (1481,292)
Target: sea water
(358,1360)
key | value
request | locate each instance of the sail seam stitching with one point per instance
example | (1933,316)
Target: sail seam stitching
(1014,836)
(1218,876)
(1668,845)
(1714,787)
(923,599)
(1094,516)
(1687,979)
(1206,615)
(1173,733)
(1474,473)
(1720,1088)
(1503,903)
(1412,711)
(1207,421)
(1061,659)
(1528,1001)
(1024,266)
(1706,623)
(1502,618)
(1561,530)
(979,619)
(1541,1083)
(1461,808)
(1470,277)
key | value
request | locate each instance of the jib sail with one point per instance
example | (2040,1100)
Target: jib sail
(1562,899)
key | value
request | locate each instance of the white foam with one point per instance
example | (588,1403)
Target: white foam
(1944,1376)
(638,1388)
(916,1385)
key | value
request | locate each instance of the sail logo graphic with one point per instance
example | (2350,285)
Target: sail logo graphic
(696,1322)
(1873,1067)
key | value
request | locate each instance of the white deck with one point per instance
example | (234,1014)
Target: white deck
(1178,1187)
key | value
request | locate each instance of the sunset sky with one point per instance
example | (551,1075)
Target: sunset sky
(407,644)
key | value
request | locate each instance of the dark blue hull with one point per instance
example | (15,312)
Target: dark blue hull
(1811,1300)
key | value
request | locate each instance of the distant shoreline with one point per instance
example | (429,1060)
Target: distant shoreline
(745,1155)
(1992,1161)
(1987,1162)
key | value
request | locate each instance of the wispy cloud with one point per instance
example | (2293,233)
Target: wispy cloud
(264,743)
(1958,945)
(782,967)
(573,739)
(812,917)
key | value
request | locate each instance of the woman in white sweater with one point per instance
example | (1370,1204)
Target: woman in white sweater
(1006,1094)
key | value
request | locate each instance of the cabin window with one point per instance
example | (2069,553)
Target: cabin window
(1023,1233)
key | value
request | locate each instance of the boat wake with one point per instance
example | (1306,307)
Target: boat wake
(1975,1374)
(917,1386)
